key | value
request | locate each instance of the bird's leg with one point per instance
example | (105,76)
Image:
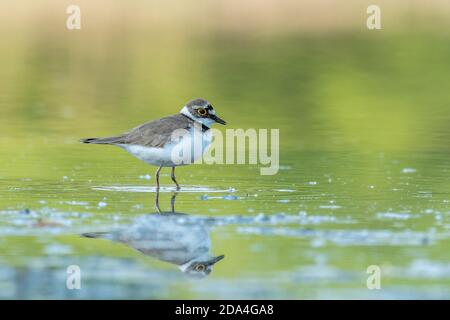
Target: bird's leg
(157,177)
(172,201)
(157,201)
(174,179)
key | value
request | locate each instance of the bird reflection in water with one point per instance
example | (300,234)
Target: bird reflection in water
(168,237)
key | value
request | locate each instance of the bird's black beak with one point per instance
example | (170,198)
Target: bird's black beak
(217,119)
(216,259)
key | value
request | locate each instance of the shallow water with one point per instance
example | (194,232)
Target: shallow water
(284,238)
(364,175)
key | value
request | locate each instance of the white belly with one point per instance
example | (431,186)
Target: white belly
(163,156)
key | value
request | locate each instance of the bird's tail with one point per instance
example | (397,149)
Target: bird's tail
(110,140)
(94,235)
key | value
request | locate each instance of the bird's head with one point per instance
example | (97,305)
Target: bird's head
(202,267)
(201,111)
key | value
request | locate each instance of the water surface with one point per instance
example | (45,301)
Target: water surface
(364,176)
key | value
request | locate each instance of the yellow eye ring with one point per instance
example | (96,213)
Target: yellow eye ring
(202,111)
(200,267)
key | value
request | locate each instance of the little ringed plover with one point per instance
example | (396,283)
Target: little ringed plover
(152,142)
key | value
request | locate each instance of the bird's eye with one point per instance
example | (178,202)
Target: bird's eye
(200,267)
(202,111)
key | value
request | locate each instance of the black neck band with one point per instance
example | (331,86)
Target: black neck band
(204,128)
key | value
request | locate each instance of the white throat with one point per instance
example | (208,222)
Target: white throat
(205,121)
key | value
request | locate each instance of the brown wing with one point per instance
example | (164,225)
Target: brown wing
(151,134)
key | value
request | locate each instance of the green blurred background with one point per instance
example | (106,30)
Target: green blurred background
(364,129)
